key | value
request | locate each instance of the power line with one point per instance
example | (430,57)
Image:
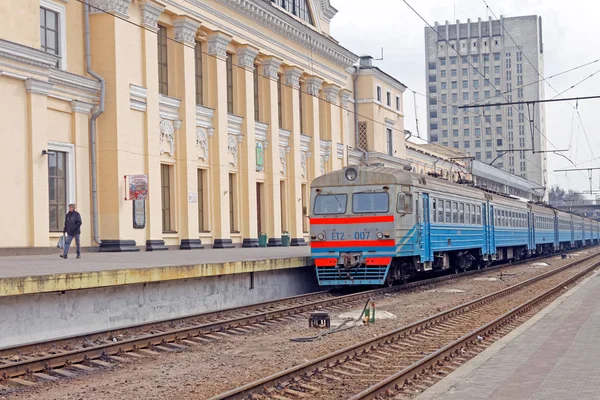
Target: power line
(575,85)
(510,103)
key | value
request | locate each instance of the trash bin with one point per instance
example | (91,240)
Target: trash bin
(262,240)
(285,239)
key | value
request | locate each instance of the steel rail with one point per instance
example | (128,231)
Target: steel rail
(48,362)
(313,367)
(453,349)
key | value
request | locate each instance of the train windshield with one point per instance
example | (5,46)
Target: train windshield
(330,204)
(370,203)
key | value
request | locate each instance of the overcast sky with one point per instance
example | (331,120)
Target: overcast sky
(570,39)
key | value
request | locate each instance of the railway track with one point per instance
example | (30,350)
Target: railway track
(423,352)
(27,364)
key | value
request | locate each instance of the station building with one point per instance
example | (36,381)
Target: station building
(228,107)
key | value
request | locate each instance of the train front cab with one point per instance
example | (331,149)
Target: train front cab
(353,227)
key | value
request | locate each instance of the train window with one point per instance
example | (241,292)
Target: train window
(404,204)
(440,211)
(448,212)
(474,216)
(479,215)
(461,213)
(454,212)
(330,204)
(468,213)
(374,202)
(512,219)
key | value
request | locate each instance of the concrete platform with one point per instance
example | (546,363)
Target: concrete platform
(20,275)
(553,356)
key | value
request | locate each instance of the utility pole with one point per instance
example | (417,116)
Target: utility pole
(589,170)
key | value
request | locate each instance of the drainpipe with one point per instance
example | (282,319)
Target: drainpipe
(98,111)
(354,79)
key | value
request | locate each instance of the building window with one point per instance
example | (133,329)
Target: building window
(432,78)
(431,65)
(198,58)
(443,73)
(57,189)
(299,8)
(388,99)
(229,68)
(256,94)
(232,204)
(50,34)
(279,101)
(475,58)
(433,114)
(433,126)
(390,146)
(397,103)
(379,93)
(467,144)
(165,187)
(163,65)
(499,142)
(496,56)
(455,132)
(466,132)
(445,133)
(444,85)
(202,225)
(442,61)
(301,110)
(453,72)
(363,142)
(453,60)
(454,84)
(478,143)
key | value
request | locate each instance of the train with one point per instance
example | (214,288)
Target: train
(376,225)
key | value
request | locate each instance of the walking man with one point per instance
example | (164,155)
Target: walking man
(72,229)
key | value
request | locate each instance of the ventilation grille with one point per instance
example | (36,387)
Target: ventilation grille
(362,136)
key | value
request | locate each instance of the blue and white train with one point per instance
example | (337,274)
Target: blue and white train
(375,225)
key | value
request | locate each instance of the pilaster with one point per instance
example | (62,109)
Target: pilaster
(248,206)
(154,230)
(37,110)
(294,171)
(186,154)
(80,123)
(332,94)
(270,68)
(219,161)
(313,88)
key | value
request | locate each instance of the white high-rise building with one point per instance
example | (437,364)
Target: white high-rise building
(487,62)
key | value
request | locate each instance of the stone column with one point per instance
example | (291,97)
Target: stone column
(294,167)
(219,163)
(37,111)
(186,154)
(332,94)
(154,231)
(272,199)
(81,140)
(313,87)
(247,162)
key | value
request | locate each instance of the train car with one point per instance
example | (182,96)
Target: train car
(511,228)
(577,230)
(376,225)
(564,229)
(587,231)
(542,229)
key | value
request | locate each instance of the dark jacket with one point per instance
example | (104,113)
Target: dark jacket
(72,223)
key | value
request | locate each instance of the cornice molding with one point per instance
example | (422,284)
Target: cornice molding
(304,142)
(151,11)
(246,55)
(217,44)
(35,86)
(59,77)
(27,55)
(292,77)
(81,107)
(271,67)
(117,7)
(138,97)
(384,77)
(168,107)
(204,116)
(345,97)
(328,10)
(291,28)
(185,30)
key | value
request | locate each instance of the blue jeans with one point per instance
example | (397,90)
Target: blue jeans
(68,241)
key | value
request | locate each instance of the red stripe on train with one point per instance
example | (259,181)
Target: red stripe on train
(325,262)
(352,220)
(353,243)
(378,260)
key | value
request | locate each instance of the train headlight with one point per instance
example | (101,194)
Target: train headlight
(379,235)
(320,236)
(351,174)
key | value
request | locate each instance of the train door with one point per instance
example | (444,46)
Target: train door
(556,236)
(486,230)
(426,253)
(532,231)
(492,229)
(572,233)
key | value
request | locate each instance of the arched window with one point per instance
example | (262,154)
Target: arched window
(299,8)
